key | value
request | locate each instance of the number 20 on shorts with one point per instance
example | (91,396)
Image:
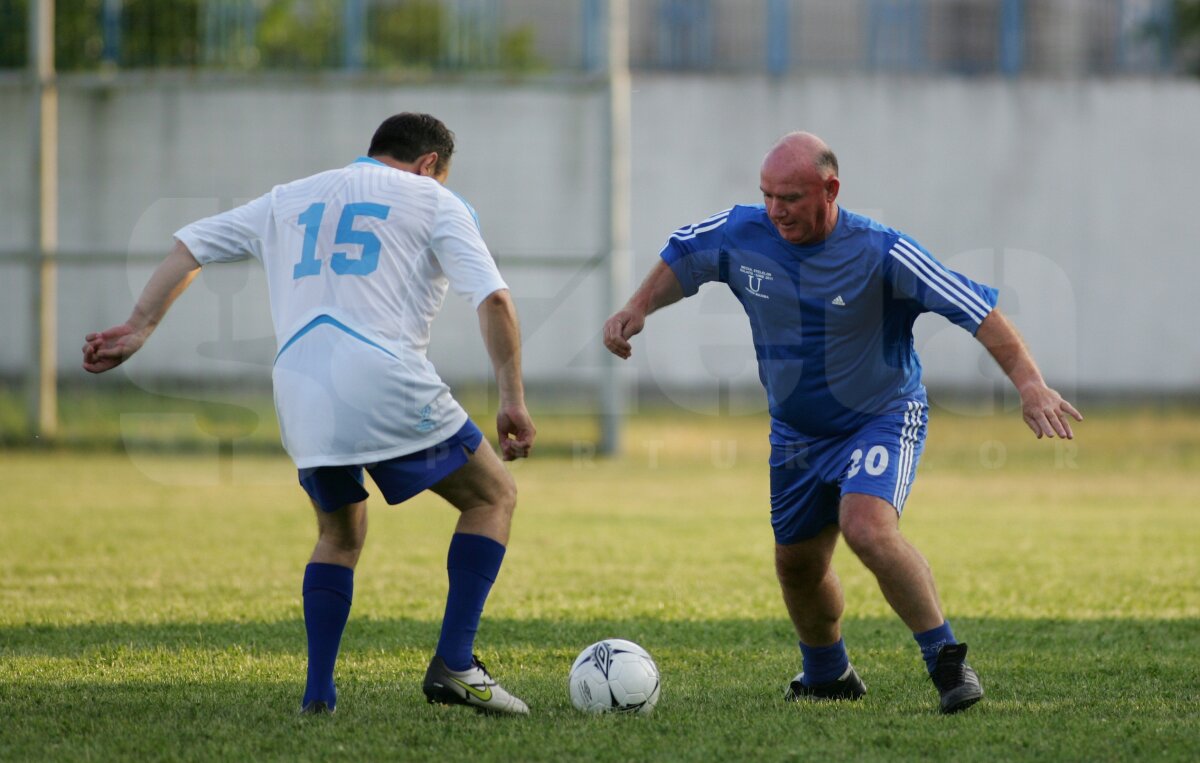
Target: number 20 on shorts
(875,463)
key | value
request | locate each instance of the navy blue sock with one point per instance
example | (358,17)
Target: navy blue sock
(328,589)
(472,564)
(823,664)
(932,640)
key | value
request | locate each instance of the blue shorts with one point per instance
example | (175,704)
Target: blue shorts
(809,478)
(400,478)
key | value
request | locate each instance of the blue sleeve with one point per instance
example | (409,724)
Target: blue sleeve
(693,252)
(916,275)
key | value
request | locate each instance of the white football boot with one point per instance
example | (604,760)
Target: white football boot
(473,687)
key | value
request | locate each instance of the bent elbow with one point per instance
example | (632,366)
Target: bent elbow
(500,299)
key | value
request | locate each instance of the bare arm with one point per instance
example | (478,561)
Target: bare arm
(502,337)
(661,288)
(1044,410)
(108,349)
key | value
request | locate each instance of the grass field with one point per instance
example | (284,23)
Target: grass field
(150,604)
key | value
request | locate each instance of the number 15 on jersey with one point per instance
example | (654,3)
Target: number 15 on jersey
(341,262)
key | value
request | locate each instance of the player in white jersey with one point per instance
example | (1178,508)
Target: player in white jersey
(358,261)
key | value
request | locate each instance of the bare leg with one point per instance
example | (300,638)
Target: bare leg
(340,535)
(484,492)
(811,589)
(486,495)
(328,589)
(872,530)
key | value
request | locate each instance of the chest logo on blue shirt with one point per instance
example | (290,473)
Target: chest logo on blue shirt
(754,280)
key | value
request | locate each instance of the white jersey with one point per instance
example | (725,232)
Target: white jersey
(358,261)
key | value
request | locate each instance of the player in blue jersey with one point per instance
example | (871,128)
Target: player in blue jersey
(832,297)
(358,260)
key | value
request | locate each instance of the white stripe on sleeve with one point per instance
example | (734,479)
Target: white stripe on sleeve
(936,269)
(691,231)
(940,284)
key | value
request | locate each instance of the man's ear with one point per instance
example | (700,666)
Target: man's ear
(832,186)
(427,164)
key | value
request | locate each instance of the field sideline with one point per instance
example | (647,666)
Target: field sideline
(150,604)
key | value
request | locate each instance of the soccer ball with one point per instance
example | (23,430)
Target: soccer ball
(614,676)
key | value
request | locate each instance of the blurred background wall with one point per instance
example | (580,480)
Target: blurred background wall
(1047,148)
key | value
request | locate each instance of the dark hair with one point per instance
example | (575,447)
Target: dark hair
(827,160)
(407,136)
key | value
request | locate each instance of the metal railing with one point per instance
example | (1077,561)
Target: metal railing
(968,37)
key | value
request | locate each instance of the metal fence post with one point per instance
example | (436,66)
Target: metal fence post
(620,248)
(591,50)
(777,37)
(1012,37)
(44,118)
(110,25)
(354,29)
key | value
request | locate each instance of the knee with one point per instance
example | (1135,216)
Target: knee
(503,494)
(344,540)
(798,574)
(866,535)
(346,537)
(508,494)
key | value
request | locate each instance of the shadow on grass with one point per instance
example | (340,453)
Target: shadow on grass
(990,636)
(1057,690)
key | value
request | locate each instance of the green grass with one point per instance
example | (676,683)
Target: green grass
(150,604)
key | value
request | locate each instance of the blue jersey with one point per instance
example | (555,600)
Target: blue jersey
(832,322)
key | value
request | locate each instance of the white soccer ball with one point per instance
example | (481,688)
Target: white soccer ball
(614,676)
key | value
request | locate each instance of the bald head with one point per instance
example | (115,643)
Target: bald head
(800,185)
(799,152)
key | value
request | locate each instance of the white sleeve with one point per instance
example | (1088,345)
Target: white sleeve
(229,236)
(460,251)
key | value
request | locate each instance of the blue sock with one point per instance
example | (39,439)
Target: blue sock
(472,564)
(823,664)
(328,589)
(932,640)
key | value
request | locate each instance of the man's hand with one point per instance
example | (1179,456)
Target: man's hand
(661,288)
(619,328)
(106,350)
(516,431)
(1046,413)
(1044,410)
(502,337)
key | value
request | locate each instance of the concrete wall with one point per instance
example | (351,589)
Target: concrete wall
(1075,198)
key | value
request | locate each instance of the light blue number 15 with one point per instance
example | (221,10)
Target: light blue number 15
(341,262)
